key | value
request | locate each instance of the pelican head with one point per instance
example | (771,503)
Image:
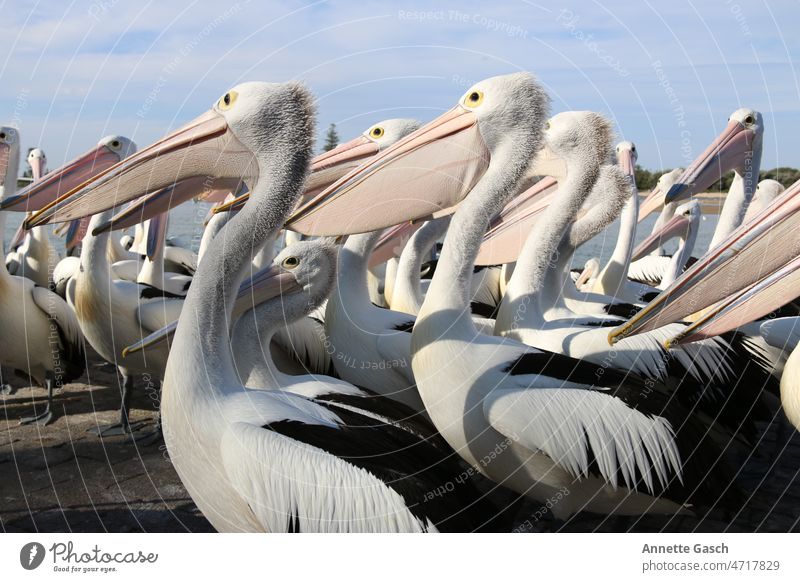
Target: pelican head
(733,149)
(627,157)
(655,199)
(429,172)
(37,160)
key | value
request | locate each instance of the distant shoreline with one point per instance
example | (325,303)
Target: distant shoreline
(710,202)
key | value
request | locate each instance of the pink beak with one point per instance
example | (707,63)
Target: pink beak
(756,301)
(677,226)
(43,192)
(165,199)
(425,174)
(725,153)
(205,142)
(754,250)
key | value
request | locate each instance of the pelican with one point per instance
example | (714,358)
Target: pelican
(112,313)
(533,312)
(408,290)
(34,256)
(41,337)
(685,224)
(613,278)
(269,460)
(766,192)
(531,420)
(743,284)
(737,148)
(648,269)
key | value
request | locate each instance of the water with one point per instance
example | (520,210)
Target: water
(186,225)
(602,245)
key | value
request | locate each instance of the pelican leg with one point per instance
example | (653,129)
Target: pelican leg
(45,417)
(124,426)
(152,437)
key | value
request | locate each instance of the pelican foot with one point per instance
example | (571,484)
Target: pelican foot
(149,438)
(116,429)
(42,419)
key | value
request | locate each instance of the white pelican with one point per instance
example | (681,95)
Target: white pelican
(648,269)
(34,256)
(531,420)
(613,279)
(766,192)
(408,290)
(113,313)
(737,148)
(742,283)
(41,337)
(534,313)
(267,460)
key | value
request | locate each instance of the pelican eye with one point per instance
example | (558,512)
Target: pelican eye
(290,262)
(547,125)
(474,98)
(2,135)
(749,120)
(376,131)
(227,100)
(115,143)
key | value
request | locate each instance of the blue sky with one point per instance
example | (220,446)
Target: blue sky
(667,73)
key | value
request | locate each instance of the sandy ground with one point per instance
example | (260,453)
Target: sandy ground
(61,478)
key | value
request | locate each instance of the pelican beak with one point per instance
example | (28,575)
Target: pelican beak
(730,150)
(37,168)
(772,292)
(266,284)
(234,203)
(76,231)
(425,174)
(326,168)
(392,242)
(676,226)
(163,200)
(156,235)
(19,236)
(627,163)
(509,230)
(42,192)
(205,142)
(155,338)
(653,202)
(751,252)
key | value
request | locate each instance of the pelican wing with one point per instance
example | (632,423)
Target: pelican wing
(69,331)
(782,333)
(577,428)
(157,313)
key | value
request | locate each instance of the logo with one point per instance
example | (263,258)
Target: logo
(31,555)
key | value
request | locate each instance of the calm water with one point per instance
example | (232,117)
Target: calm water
(186,224)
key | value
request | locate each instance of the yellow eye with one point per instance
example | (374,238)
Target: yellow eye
(227,100)
(376,132)
(290,262)
(473,98)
